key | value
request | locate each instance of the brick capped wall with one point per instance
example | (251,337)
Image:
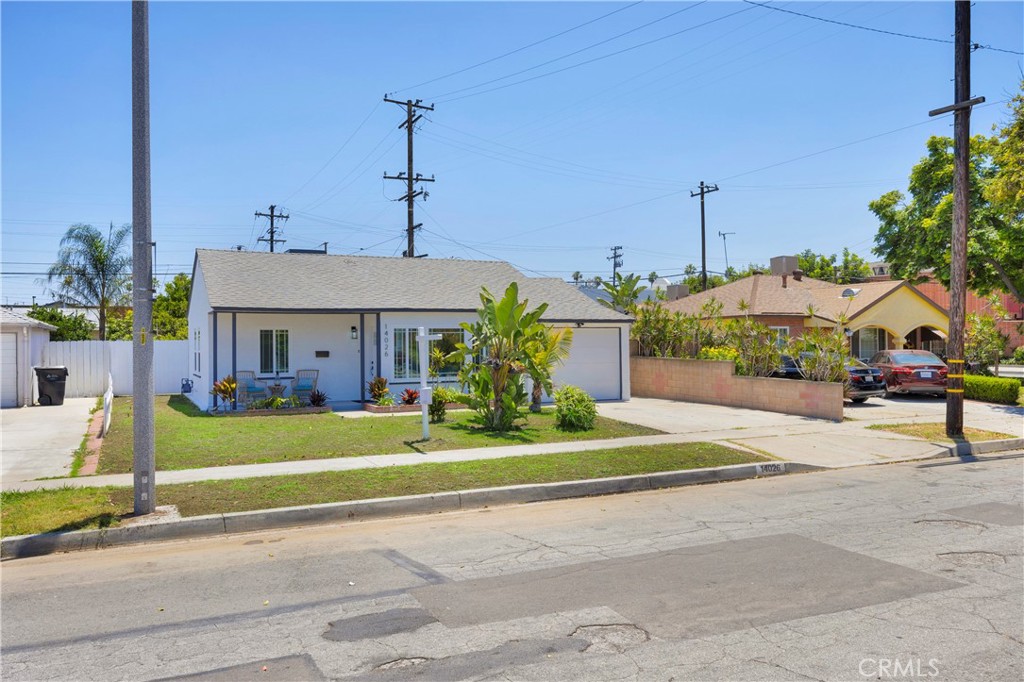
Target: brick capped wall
(714,382)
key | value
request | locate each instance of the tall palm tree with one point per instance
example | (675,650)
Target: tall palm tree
(576,277)
(92,271)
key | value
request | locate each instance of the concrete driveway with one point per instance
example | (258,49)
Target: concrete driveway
(38,442)
(814,441)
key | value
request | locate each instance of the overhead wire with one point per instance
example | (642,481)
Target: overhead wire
(519,49)
(974,46)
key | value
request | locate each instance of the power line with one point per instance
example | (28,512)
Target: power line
(974,46)
(272,229)
(335,154)
(409,177)
(570,54)
(519,49)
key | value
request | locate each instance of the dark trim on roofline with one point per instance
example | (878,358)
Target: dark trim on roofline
(378,311)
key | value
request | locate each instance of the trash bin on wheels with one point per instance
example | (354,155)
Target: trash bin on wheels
(51,384)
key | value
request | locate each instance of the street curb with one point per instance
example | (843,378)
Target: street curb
(983,448)
(23,546)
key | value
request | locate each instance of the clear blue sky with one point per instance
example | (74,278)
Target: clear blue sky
(251,100)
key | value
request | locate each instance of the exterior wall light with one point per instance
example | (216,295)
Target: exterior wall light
(354,333)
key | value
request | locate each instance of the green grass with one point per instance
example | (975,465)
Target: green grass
(187,438)
(936,431)
(70,509)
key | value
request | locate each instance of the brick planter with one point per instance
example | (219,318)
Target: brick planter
(392,409)
(273,413)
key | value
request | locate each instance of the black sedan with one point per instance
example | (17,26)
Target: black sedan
(865,381)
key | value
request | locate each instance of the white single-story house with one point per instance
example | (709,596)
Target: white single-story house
(23,341)
(353,318)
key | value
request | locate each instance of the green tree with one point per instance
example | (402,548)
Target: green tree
(170,309)
(92,271)
(546,352)
(70,326)
(499,345)
(651,276)
(576,277)
(914,233)
(984,344)
(852,268)
(623,292)
(119,327)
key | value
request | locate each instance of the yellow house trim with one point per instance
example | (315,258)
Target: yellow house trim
(901,311)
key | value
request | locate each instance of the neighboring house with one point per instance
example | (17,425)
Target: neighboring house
(23,342)
(355,317)
(889,314)
(91,313)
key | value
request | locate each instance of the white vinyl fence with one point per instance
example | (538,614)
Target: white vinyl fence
(91,363)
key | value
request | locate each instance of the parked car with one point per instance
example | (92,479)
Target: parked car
(865,381)
(789,369)
(911,371)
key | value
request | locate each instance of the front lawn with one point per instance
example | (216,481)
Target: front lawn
(71,509)
(937,432)
(187,438)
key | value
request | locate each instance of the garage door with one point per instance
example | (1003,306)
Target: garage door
(593,363)
(9,370)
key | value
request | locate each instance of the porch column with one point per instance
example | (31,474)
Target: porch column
(362,357)
(214,366)
(234,357)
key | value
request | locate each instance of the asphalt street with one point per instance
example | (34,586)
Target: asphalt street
(904,571)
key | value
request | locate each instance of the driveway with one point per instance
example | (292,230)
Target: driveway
(1008,419)
(40,442)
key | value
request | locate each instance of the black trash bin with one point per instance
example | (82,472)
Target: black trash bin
(51,384)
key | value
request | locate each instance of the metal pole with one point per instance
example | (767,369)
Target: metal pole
(144,446)
(961,208)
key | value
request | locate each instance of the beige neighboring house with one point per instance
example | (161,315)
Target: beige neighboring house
(23,342)
(879,315)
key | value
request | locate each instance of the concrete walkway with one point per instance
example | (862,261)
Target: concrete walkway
(797,439)
(41,441)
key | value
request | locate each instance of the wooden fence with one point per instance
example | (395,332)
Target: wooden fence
(91,364)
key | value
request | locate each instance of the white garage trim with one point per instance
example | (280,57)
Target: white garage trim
(595,362)
(9,369)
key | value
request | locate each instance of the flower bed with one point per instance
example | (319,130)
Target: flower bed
(271,413)
(389,409)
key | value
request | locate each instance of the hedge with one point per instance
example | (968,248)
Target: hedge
(991,389)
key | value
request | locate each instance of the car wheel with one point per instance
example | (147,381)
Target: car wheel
(858,400)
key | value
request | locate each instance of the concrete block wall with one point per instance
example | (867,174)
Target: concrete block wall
(715,383)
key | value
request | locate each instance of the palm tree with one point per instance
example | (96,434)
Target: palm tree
(92,271)
(576,277)
(651,277)
(547,350)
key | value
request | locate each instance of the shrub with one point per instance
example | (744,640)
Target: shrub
(275,403)
(718,353)
(386,400)
(991,389)
(575,410)
(409,396)
(378,388)
(1018,355)
(438,408)
(225,388)
(318,398)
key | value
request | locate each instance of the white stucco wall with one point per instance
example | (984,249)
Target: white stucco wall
(199,320)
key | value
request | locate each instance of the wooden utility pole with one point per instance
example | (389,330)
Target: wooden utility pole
(961,107)
(616,259)
(410,179)
(704,189)
(272,216)
(143,433)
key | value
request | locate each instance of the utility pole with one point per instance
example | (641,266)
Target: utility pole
(616,259)
(271,215)
(411,117)
(143,434)
(704,189)
(962,104)
(725,248)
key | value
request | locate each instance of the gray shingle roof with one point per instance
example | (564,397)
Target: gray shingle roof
(260,281)
(10,317)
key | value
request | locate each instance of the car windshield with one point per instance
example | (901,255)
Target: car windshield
(916,359)
(854,363)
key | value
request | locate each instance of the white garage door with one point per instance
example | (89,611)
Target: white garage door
(594,363)
(9,370)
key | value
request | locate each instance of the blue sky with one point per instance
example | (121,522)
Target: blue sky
(261,103)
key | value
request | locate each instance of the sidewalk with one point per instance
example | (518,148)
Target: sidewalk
(813,442)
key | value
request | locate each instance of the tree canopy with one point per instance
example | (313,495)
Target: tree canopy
(852,268)
(70,326)
(92,271)
(914,232)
